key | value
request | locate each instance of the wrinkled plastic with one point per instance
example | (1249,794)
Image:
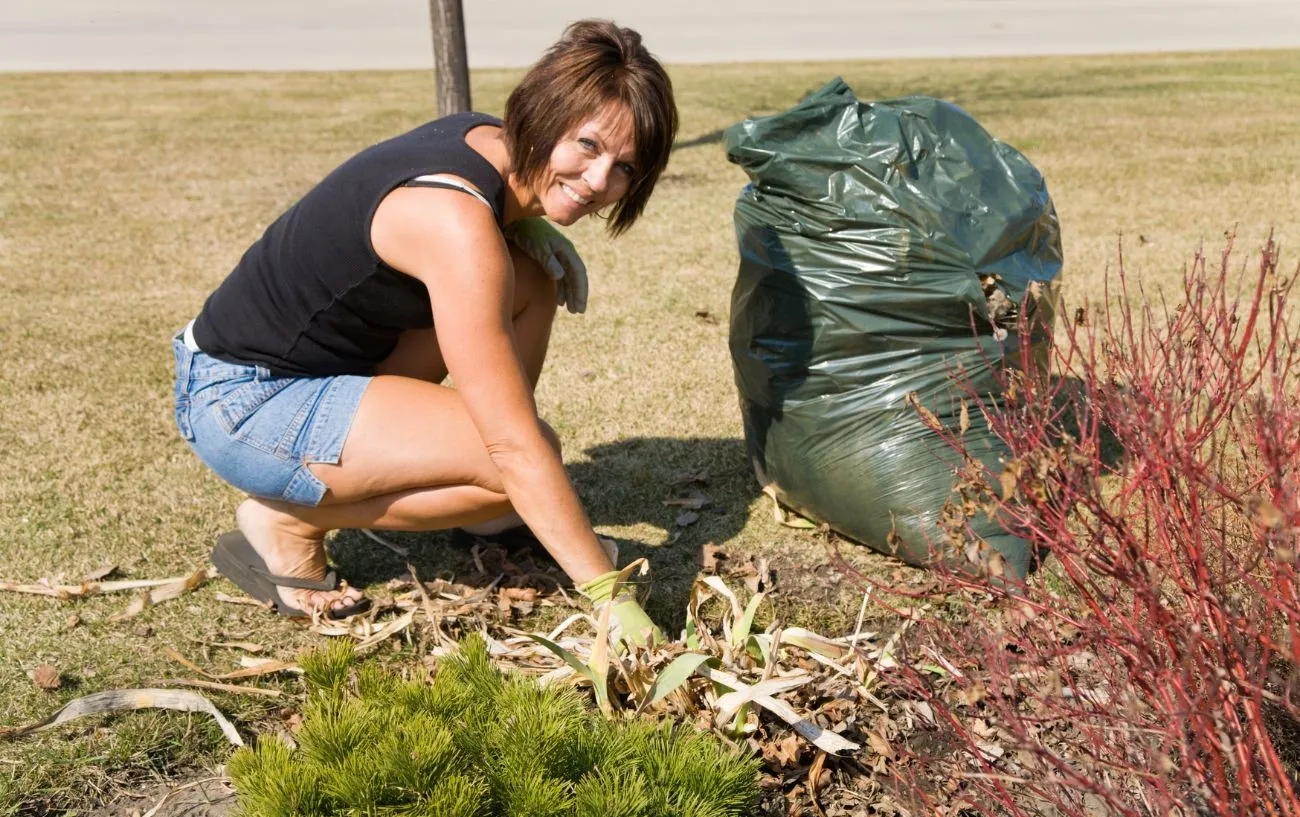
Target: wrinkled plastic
(866,235)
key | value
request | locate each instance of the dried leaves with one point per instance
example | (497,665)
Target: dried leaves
(46,677)
(156,590)
(120,699)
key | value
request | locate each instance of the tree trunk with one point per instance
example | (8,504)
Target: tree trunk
(450,67)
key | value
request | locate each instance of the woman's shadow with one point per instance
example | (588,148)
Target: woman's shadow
(692,491)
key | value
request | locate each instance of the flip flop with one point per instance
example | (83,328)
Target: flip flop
(235,559)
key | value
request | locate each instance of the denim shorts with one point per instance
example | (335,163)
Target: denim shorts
(259,431)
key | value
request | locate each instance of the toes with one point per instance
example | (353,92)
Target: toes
(346,600)
(322,601)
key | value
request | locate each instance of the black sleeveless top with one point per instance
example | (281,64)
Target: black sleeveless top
(311,297)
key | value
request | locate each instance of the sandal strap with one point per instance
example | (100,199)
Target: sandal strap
(330,582)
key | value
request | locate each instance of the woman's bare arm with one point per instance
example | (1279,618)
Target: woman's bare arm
(450,241)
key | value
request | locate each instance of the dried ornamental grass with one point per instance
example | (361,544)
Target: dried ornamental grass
(811,708)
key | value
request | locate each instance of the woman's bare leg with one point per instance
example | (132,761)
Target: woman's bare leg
(413,459)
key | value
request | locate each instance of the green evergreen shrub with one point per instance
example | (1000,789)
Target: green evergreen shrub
(479,743)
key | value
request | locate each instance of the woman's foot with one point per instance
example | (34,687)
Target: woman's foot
(290,547)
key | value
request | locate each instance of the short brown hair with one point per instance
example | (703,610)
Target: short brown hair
(596,62)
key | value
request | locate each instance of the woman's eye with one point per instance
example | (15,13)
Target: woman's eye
(587,143)
(627,169)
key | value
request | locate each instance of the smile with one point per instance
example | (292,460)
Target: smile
(571,193)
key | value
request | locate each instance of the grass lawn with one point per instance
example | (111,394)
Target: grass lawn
(127,198)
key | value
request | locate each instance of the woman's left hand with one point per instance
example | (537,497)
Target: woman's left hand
(557,255)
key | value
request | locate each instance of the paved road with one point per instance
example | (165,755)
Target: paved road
(96,35)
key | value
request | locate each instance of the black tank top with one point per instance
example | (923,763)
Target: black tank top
(311,297)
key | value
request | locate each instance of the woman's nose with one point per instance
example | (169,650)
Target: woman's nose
(597,176)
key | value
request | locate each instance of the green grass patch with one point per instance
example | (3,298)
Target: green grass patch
(477,743)
(129,197)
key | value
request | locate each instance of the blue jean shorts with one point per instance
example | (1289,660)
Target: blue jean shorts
(259,431)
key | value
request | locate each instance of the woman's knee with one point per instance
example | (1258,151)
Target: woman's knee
(532,284)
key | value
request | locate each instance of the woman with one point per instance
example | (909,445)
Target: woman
(311,378)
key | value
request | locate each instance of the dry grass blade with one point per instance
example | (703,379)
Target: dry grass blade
(253,667)
(226,598)
(816,644)
(117,700)
(718,586)
(90,588)
(825,740)
(814,782)
(176,656)
(257,667)
(731,702)
(166,592)
(246,646)
(398,549)
(386,632)
(237,690)
(427,603)
(786,517)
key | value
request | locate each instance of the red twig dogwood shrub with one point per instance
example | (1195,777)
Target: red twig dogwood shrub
(1151,667)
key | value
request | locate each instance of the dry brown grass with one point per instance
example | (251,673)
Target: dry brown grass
(128,197)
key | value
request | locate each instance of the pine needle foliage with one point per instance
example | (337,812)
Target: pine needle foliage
(479,743)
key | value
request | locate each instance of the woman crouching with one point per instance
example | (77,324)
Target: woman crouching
(311,379)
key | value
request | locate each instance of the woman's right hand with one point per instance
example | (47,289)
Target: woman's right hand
(557,255)
(628,622)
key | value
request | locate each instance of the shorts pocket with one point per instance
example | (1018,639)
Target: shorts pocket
(237,411)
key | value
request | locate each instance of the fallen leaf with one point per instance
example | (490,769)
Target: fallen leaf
(879,745)
(46,677)
(519,593)
(972,694)
(710,556)
(924,710)
(166,592)
(990,751)
(786,752)
(119,699)
(706,316)
(687,518)
(693,501)
(818,776)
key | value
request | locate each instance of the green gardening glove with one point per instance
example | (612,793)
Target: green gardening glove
(629,623)
(556,254)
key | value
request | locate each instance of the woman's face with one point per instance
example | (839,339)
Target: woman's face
(591,166)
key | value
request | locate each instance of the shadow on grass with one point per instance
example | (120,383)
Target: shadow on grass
(710,138)
(622,484)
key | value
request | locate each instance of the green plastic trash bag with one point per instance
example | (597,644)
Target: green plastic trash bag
(874,237)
